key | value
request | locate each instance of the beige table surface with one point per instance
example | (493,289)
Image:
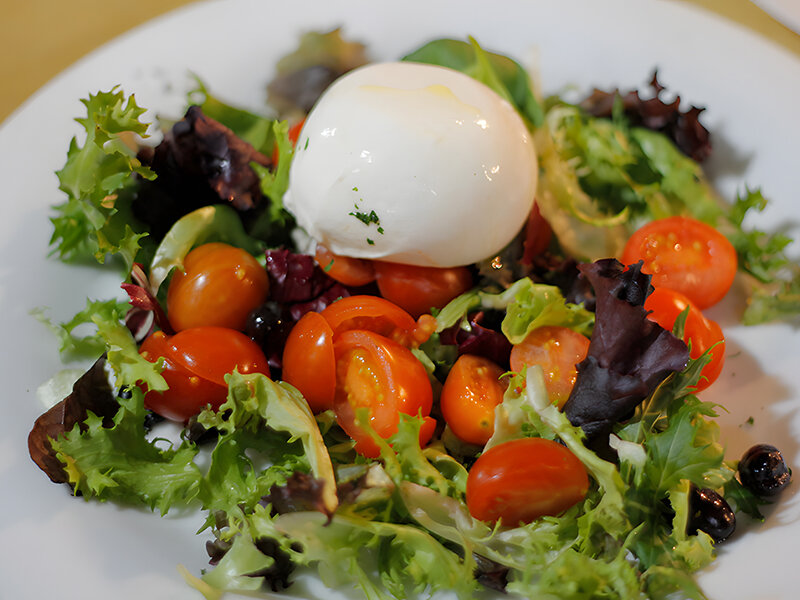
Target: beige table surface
(40,38)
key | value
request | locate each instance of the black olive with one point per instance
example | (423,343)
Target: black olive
(763,471)
(269,326)
(709,512)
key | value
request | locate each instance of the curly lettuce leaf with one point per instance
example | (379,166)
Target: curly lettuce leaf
(255,402)
(73,345)
(528,305)
(118,462)
(95,221)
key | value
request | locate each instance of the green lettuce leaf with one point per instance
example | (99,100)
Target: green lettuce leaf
(528,305)
(72,345)
(502,74)
(96,220)
(255,402)
(118,463)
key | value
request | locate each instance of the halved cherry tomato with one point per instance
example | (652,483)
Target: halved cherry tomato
(522,480)
(294,135)
(685,255)
(195,364)
(537,236)
(309,363)
(379,315)
(666,305)
(557,350)
(344,269)
(471,391)
(418,289)
(219,286)
(384,378)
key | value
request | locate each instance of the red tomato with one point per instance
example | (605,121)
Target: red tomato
(471,391)
(195,364)
(557,350)
(685,255)
(378,315)
(521,480)
(381,376)
(344,269)
(666,305)
(309,363)
(418,289)
(537,236)
(219,286)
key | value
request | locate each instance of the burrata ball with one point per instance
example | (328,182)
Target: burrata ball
(412,163)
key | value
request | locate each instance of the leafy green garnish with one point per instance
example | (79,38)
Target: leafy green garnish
(504,75)
(96,220)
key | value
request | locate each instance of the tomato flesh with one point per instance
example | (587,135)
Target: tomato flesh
(379,376)
(219,286)
(470,393)
(419,289)
(521,480)
(685,255)
(700,332)
(557,350)
(309,363)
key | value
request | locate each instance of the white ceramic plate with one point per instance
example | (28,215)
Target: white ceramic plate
(57,545)
(785,11)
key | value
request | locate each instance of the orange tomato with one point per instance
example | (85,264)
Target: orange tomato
(420,289)
(685,255)
(383,378)
(470,393)
(703,333)
(219,286)
(557,350)
(521,480)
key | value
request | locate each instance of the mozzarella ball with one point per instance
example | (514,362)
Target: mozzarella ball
(415,164)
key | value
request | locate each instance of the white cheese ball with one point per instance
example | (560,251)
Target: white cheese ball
(415,164)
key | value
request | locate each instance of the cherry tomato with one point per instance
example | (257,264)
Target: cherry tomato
(294,135)
(557,350)
(378,315)
(418,289)
(309,363)
(381,376)
(685,255)
(219,286)
(537,236)
(471,391)
(522,480)
(344,269)
(195,364)
(666,305)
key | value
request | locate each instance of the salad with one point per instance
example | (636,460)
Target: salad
(300,470)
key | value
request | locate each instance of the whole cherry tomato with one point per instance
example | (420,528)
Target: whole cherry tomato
(344,269)
(419,289)
(685,255)
(699,332)
(384,379)
(471,391)
(195,364)
(521,480)
(309,363)
(557,350)
(219,286)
